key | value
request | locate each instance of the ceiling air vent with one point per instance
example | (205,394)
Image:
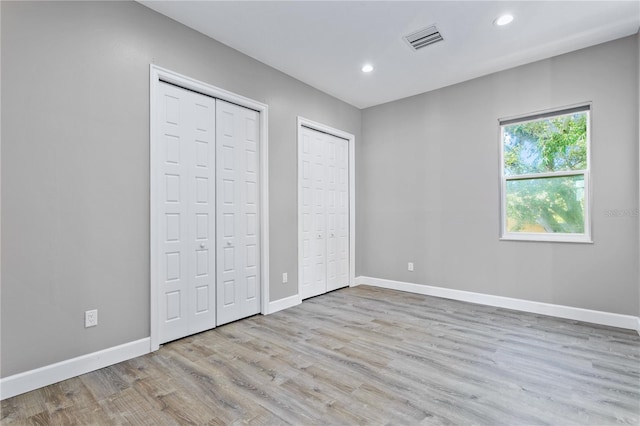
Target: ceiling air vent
(423,38)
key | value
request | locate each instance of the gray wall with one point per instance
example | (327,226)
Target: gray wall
(75,167)
(428,174)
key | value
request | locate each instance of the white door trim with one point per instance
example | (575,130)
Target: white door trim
(304,122)
(158,74)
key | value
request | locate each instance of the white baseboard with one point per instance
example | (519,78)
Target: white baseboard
(287,302)
(47,375)
(579,314)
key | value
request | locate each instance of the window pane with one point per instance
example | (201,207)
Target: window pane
(546,145)
(546,205)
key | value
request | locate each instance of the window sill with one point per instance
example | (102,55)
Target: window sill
(547,238)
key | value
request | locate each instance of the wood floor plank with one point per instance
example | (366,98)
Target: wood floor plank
(128,407)
(363,355)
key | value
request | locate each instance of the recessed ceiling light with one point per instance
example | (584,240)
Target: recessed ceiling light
(367,68)
(503,20)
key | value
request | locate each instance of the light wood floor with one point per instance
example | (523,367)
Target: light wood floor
(363,356)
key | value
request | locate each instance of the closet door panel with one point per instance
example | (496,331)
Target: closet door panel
(201,215)
(337,213)
(185,163)
(312,205)
(342,213)
(237,145)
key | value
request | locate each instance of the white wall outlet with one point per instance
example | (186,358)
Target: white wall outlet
(285,278)
(91,318)
(410,266)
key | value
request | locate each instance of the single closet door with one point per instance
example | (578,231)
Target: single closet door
(337,212)
(238,273)
(323,213)
(185,212)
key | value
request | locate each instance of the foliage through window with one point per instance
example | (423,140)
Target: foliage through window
(545,176)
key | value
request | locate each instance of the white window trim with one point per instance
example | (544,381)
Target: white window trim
(585,237)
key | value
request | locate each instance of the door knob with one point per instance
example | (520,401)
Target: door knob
(202,245)
(228,243)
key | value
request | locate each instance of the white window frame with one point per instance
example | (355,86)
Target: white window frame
(540,236)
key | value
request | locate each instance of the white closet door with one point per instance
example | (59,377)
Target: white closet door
(186,221)
(238,272)
(337,213)
(313,163)
(324,213)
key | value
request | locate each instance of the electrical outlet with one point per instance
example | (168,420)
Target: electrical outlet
(410,266)
(285,278)
(91,318)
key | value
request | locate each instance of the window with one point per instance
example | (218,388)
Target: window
(545,176)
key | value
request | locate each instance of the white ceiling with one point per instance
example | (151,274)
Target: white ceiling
(325,43)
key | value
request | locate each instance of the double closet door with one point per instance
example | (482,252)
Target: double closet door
(324,212)
(207,212)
